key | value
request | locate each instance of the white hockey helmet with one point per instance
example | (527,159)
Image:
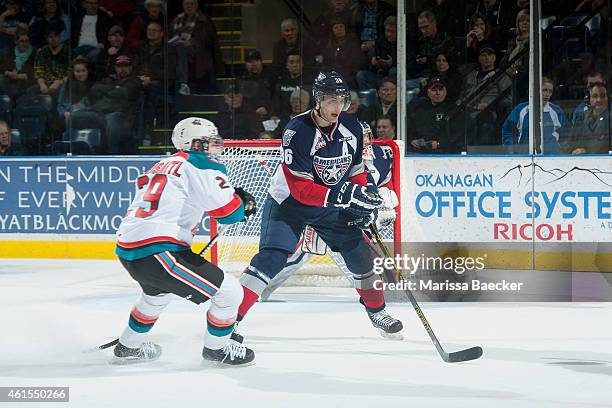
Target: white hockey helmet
(368,153)
(191,130)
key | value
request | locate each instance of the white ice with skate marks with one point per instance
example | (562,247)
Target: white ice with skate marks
(314,347)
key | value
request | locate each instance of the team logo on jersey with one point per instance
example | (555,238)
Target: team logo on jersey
(332,169)
(287,136)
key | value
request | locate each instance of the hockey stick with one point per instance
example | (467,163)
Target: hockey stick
(210,244)
(471,353)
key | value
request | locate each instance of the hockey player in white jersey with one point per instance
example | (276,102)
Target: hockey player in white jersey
(378,161)
(154,245)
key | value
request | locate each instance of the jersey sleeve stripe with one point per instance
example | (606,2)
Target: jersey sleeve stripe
(305,190)
(301,174)
(361,179)
(227,209)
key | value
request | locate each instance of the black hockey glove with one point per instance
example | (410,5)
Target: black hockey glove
(354,196)
(250,206)
(363,221)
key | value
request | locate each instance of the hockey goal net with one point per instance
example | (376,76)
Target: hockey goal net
(250,165)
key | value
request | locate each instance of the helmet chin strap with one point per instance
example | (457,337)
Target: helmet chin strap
(320,114)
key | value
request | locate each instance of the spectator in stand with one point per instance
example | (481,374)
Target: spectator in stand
(105,63)
(257,84)
(429,123)
(359,111)
(500,15)
(13,14)
(591,79)
(6,146)
(89,30)
(293,78)
(154,64)
(386,103)
(74,93)
(591,132)
(518,66)
(195,37)
(431,41)
(483,110)
(368,21)
(234,121)
(17,66)
(49,13)
(336,10)
(478,35)
(117,9)
(291,42)
(137,35)
(342,52)
(385,128)
(382,60)
(515,130)
(449,14)
(445,70)
(113,103)
(300,103)
(51,66)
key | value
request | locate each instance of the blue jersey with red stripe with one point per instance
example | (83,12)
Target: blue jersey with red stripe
(318,160)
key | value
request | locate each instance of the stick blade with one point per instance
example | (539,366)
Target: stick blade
(472,353)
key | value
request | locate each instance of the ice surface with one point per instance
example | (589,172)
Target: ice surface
(314,348)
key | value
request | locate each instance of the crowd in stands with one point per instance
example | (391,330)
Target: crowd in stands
(107,67)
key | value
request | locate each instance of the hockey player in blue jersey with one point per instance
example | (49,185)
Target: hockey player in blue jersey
(321,182)
(378,161)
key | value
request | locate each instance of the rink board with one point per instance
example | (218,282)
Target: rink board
(70,207)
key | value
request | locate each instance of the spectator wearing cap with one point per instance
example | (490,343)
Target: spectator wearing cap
(292,41)
(195,37)
(515,130)
(342,52)
(51,67)
(49,13)
(235,121)
(137,35)
(386,104)
(257,84)
(432,125)
(493,102)
(89,29)
(382,60)
(446,70)
(105,63)
(17,66)
(114,102)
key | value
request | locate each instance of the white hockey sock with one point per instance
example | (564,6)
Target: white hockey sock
(142,318)
(222,313)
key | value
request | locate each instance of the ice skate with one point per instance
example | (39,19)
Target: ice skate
(147,352)
(387,326)
(231,355)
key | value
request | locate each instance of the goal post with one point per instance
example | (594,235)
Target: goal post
(250,165)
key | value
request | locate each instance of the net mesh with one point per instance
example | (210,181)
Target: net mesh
(251,167)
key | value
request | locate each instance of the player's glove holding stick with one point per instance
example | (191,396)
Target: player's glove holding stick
(360,205)
(250,206)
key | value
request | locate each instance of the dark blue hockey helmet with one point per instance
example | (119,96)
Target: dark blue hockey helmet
(330,82)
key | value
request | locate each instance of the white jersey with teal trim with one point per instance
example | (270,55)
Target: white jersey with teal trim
(170,202)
